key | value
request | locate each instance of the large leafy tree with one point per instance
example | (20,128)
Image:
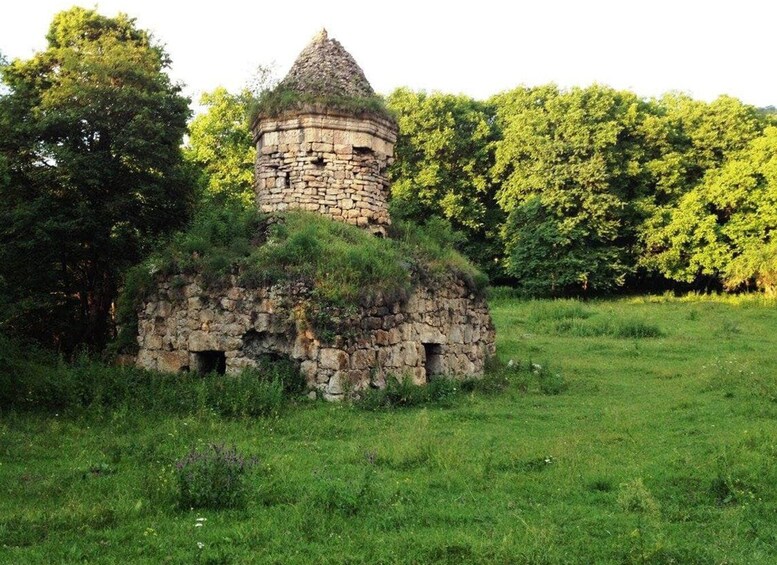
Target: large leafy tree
(688,140)
(569,168)
(444,154)
(221,145)
(723,228)
(90,134)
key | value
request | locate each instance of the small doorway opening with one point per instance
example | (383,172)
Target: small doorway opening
(433,363)
(206,362)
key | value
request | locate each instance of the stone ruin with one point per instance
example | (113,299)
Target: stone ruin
(323,159)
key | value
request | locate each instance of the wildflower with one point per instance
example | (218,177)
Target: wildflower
(200,545)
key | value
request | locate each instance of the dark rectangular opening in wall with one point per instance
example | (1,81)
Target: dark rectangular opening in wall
(433,363)
(207,362)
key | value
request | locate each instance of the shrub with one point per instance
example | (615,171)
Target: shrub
(213,478)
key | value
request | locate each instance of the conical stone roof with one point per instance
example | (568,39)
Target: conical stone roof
(325,69)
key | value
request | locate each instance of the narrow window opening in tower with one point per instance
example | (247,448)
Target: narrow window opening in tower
(318,161)
(433,365)
(287,180)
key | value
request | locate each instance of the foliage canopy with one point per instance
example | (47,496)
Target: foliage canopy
(92,172)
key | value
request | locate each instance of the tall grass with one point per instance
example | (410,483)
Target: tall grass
(36,380)
(658,451)
(580,319)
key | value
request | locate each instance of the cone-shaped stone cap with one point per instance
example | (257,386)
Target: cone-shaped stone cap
(324,68)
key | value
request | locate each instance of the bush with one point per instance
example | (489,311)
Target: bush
(213,478)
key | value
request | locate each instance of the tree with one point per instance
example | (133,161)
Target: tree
(569,169)
(722,229)
(690,140)
(221,144)
(90,131)
(444,153)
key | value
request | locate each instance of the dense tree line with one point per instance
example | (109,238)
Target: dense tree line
(579,191)
(593,190)
(557,192)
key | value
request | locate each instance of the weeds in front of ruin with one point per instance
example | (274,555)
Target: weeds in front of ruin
(213,477)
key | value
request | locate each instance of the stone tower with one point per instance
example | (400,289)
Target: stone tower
(323,146)
(325,151)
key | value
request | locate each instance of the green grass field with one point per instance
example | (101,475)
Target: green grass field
(649,435)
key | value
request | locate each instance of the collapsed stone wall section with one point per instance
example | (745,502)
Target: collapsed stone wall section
(444,330)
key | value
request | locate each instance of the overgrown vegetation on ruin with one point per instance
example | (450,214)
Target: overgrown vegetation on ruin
(273,103)
(341,266)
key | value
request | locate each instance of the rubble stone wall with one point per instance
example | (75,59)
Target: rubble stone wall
(447,330)
(331,164)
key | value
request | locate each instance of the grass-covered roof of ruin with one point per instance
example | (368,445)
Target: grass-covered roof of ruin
(325,77)
(340,265)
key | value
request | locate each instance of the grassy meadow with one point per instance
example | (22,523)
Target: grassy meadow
(636,430)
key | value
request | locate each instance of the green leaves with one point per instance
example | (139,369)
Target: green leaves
(567,167)
(723,227)
(91,132)
(444,153)
(220,142)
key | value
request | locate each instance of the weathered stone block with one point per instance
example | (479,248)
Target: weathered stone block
(335,386)
(202,341)
(382,338)
(153,341)
(362,359)
(172,361)
(308,370)
(330,358)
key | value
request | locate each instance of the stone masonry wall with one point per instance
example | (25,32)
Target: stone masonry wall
(331,164)
(447,330)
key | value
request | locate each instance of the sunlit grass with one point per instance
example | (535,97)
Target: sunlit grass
(657,449)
